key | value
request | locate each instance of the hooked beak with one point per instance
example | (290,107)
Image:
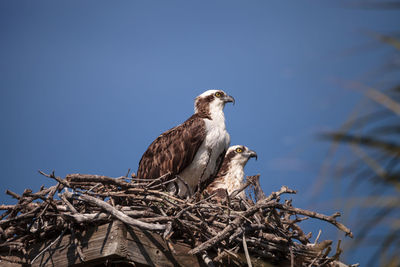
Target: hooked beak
(228,98)
(252,154)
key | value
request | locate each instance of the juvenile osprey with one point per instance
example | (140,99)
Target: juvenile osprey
(192,150)
(231,175)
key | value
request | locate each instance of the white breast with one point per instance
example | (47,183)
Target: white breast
(204,163)
(233,179)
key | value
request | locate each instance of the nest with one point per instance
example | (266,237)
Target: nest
(232,229)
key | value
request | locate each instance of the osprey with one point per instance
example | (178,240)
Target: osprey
(193,150)
(231,175)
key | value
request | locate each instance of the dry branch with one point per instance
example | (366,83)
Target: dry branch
(116,213)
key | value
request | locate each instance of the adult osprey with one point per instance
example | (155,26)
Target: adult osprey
(231,174)
(192,150)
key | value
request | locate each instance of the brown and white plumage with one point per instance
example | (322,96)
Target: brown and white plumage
(192,150)
(231,174)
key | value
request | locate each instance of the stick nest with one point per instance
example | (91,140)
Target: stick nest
(231,230)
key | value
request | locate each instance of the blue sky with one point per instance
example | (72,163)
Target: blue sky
(87,85)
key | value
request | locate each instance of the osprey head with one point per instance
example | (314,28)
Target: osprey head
(240,154)
(211,102)
(231,174)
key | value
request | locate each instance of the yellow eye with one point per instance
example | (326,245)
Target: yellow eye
(218,94)
(239,150)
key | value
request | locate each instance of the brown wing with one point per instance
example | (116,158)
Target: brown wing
(173,150)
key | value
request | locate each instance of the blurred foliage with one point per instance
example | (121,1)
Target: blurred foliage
(369,147)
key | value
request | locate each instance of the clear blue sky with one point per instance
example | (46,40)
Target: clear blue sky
(87,85)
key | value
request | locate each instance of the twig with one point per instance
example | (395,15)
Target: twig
(155,181)
(331,219)
(207,259)
(85,178)
(14,195)
(291,257)
(69,205)
(246,251)
(51,244)
(243,187)
(127,174)
(58,179)
(316,239)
